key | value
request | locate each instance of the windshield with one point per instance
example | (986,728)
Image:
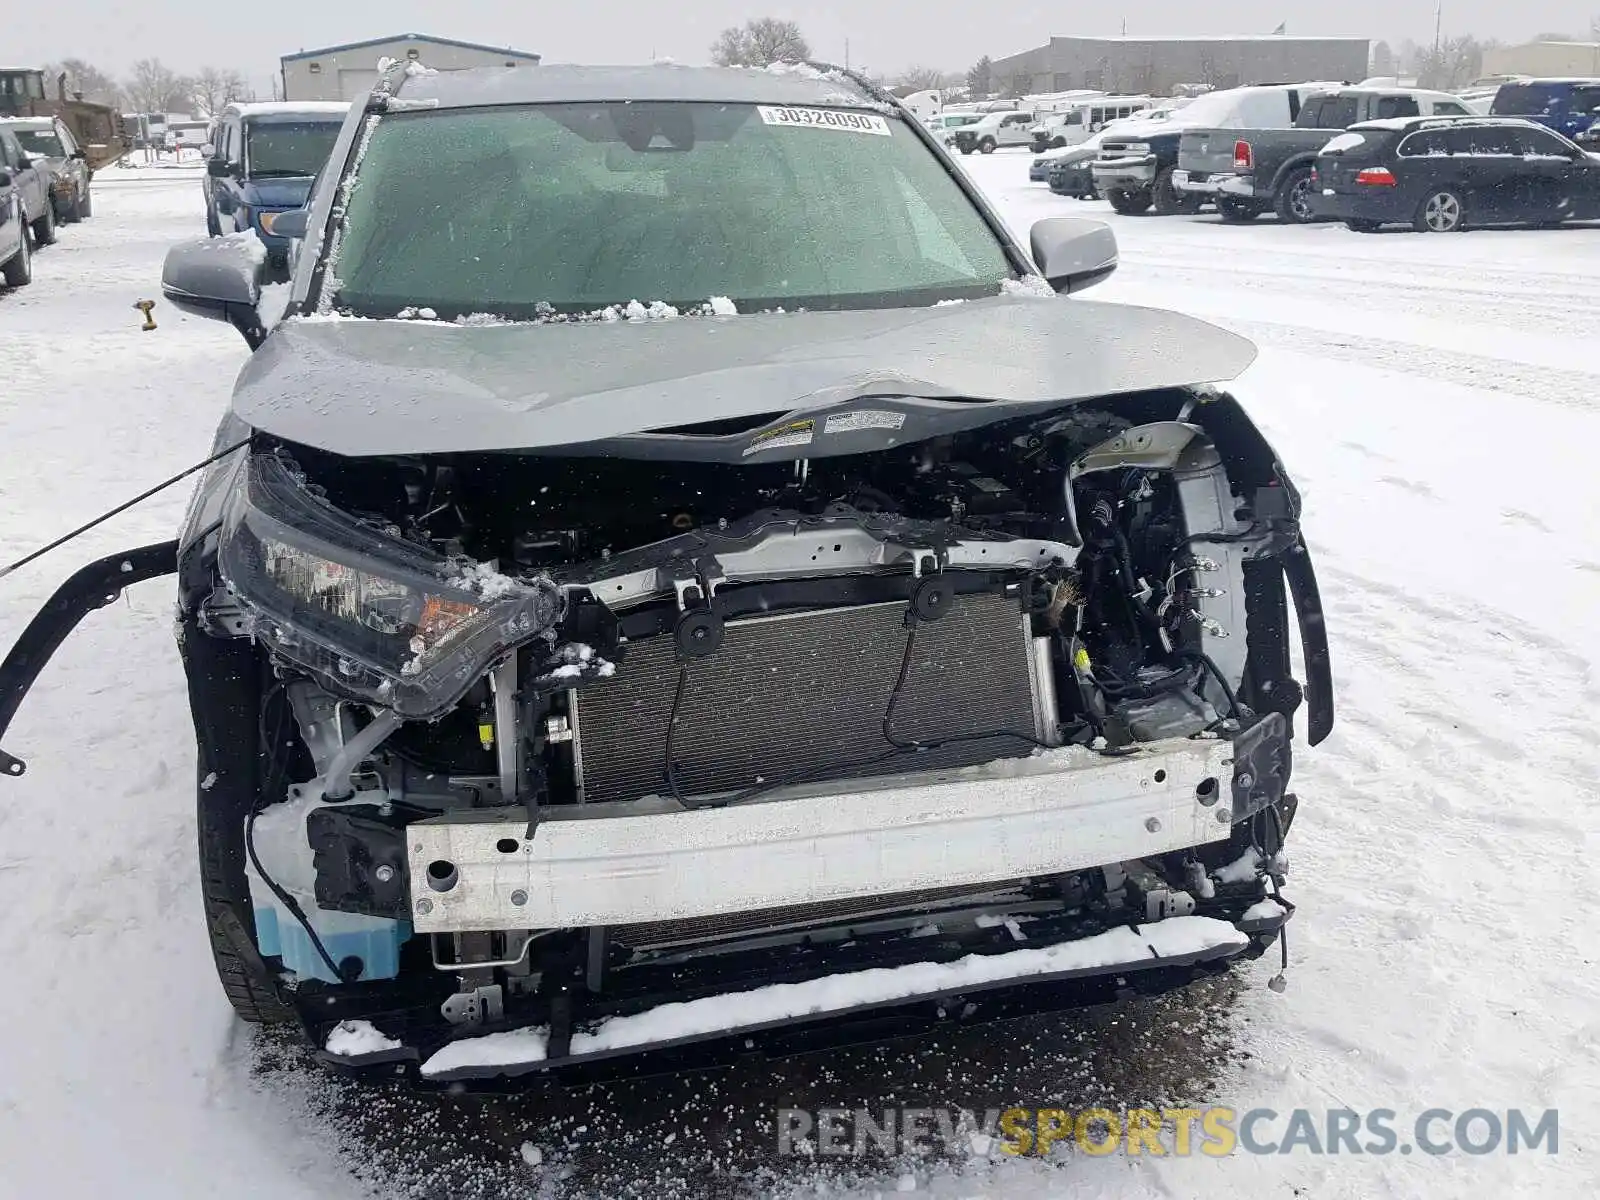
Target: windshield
(42,142)
(287,148)
(1536,100)
(575,207)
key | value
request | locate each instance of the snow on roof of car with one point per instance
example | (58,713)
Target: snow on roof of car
(1397,123)
(291,108)
(778,84)
(28,122)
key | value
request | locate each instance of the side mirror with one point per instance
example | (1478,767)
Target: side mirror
(209,150)
(218,278)
(291,224)
(24,162)
(219,168)
(79,155)
(1073,253)
(5,179)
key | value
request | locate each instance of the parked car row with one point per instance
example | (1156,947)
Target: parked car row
(44,182)
(1369,156)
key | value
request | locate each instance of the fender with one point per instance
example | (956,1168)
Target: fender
(87,589)
(1299,160)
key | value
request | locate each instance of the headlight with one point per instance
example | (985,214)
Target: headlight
(374,617)
(266,219)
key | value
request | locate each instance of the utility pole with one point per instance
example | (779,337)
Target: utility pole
(847,54)
(1438,25)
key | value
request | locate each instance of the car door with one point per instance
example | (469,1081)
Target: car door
(12,229)
(1014,130)
(1489,173)
(1550,181)
(28,178)
(229,187)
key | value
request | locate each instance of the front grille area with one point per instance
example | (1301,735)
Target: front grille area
(806,694)
(929,902)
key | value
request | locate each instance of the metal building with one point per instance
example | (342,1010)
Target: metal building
(1156,65)
(349,71)
(1543,58)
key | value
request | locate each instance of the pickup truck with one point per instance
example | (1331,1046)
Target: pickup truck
(1247,171)
(1136,170)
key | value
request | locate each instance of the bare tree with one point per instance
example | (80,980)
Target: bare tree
(980,77)
(921,79)
(1457,61)
(155,87)
(759,43)
(215,88)
(85,80)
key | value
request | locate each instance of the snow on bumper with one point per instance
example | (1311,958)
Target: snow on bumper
(1243,186)
(1059,811)
(1175,940)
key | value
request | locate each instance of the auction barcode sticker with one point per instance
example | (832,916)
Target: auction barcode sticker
(826,118)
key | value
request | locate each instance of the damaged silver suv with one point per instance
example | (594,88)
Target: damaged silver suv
(680,578)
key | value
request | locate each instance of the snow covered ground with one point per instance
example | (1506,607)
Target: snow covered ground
(1438,401)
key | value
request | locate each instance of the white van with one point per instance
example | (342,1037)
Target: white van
(1082,119)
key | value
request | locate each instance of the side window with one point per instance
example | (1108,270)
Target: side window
(1480,141)
(6,158)
(1586,100)
(1397,106)
(1339,112)
(1311,113)
(1449,108)
(1538,143)
(67,141)
(1097,117)
(1428,142)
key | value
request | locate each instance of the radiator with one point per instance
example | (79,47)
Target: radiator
(806,694)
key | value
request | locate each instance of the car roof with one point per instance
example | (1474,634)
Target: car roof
(28,122)
(816,86)
(1400,124)
(290,108)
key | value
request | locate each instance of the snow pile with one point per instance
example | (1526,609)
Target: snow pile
(1034,287)
(575,660)
(712,1015)
(351,1039)
(482,580)
(411,313)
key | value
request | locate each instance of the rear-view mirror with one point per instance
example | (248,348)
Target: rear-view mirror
(291,224)
(218,278)
(5,179)
(1073,253)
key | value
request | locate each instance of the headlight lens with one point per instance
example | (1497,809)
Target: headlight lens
(374,617)
(266,219)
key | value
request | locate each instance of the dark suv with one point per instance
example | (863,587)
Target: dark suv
(1440,175)
(1569,106)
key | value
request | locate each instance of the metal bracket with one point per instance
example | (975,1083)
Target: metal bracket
(476,1007)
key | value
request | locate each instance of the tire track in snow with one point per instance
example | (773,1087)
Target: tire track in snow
(1578,390)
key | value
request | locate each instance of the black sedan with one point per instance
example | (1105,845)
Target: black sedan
(1441,175)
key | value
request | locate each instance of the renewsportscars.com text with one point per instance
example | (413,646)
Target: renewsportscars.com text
(1216,1131)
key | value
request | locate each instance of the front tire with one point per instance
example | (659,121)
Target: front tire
(987,146)
(18,270)
(85,205)
(1129,203)
(1293,201)
(44,229)
(1441,212)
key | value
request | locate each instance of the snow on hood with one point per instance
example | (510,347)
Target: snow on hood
(361,387)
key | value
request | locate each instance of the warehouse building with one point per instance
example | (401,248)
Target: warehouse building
(1543,58)
(349,71)
(1155,66)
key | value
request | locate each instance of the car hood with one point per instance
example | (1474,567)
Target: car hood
(277,193)
(368,387)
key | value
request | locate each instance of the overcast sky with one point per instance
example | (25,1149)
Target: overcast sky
(883,35)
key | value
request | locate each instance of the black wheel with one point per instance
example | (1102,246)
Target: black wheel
(1362,226)
(44,229)
(227,734)
(1168,200)
(69,212)
(18,270)
(966,149)
(1441,212)
(85,204)
(1129,203)
(987,146)
(1293,201)
(1236,212)
(214,225)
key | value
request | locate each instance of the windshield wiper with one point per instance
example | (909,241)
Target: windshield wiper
(280,174)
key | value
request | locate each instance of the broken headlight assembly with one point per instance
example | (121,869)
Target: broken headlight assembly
(374,617)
